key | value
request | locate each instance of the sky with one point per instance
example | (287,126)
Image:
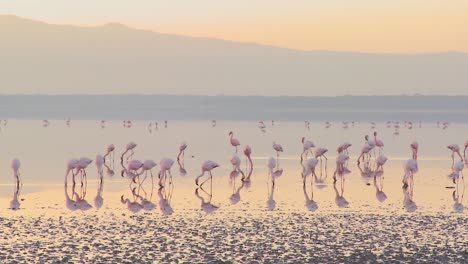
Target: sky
(376,26)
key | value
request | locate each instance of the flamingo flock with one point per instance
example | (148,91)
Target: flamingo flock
(371,157)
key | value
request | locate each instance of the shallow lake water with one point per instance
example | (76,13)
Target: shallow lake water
(44,152)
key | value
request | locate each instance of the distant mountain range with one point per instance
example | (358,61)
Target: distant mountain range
(41,58)
(254,108)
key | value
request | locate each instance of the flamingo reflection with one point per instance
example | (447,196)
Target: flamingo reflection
(271,203)
(310,204)
(408,202)
(457,196)
(165,196)
(235,196)
(99,199)
(132,205)
(378,184)
(206,204)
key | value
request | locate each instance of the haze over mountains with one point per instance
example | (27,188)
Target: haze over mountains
(39,58)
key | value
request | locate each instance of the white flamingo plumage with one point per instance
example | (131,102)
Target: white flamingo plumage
(207,166)
(307,146)
(411,165)
(234,141)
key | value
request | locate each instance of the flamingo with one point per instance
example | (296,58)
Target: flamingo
(455,149)
(81,167)
(234,141)
(182,148)
(343,148)
(132,168)
(207,166)
(129,147)
(308,145)
(235,161)
(411,165)
(213,123)
(278,148)
(380,161)
(15,165)
(341,161)
(271,166)
(366,149)
(71,165)
(320,152)
(110,151)
(309,169)
(148,165)
(165,166)
(464,151)
(458,170)
(247,153)
(378,143)
(99,161)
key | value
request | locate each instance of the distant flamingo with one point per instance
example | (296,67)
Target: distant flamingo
(207,166)
(278,148)
(15,165)
(110,151)
(247,153)
(213,123)
(165,166)
(455,149)
(182,148)
(129,147)
(378,143)
(411,165)
(307,147)
(234,141)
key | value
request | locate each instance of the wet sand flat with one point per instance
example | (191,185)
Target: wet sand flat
(270,237)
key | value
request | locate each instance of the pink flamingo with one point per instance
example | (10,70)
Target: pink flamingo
(307,146)
(132,168)
(378,143)
(110,151)
(81,168)
(278,148)
(455,149)
(366,149)
(247,153)
(343,148)
(71,165)
(234,141)
(207,166)
(309,169)
(380,161)
(411,165)
(148,165)
(165,166)
(99,161)
(464,151)
(458,170)
(15,165)
(320,152)
(341,160)
(235,161)
(129,147)
(182,148)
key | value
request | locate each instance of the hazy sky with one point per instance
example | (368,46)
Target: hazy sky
(403,26)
